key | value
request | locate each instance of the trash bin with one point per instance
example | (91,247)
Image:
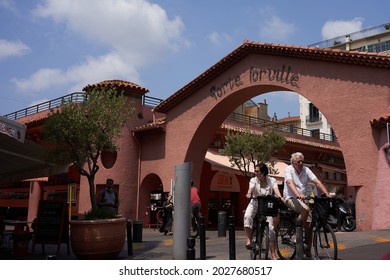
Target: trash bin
(222,221)
(137,231)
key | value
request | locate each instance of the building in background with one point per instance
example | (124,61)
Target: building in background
(375,39)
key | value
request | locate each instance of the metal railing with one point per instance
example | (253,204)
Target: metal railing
(354,36)
(76,97)
(252,121)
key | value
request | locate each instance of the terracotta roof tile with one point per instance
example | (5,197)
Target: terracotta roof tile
(157,124)
(381,122)
(120,84)
(297,139)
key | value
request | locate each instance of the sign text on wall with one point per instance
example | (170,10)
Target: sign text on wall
(282,75)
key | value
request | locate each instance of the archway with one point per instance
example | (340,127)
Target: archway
(150,193)
(350,88)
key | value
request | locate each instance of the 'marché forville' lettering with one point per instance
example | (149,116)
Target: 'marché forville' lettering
(282,75)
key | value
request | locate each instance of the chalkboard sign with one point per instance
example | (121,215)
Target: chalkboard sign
(52,223)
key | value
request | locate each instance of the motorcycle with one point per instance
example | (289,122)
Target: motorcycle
(342,215)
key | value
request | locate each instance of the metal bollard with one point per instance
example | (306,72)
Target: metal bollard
(129,238)
(190,248)
(137,231)
(299,241)
(202,238)
(221,223)
(232,239)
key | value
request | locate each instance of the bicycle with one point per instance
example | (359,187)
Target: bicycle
(159,219)
(324,238)
(195,215)
(267,206)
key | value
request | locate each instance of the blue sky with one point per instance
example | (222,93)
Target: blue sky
(51,48)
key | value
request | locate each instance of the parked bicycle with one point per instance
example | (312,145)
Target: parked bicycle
(267,206)
(324,238)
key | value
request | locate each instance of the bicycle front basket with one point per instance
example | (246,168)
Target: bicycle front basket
(325,205)
(267,205)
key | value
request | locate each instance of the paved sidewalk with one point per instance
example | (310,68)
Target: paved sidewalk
(358,245)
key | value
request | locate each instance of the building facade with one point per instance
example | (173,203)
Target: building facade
(184,127)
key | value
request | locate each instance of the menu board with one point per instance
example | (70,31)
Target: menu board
(52,224)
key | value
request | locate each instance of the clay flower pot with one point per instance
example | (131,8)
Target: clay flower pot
(98,239)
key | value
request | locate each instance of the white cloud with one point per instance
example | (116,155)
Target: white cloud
(335,28)
(219,38)
(9,5)
(94,69)
(136,32)
(276,29)
(9,48)
(273,28)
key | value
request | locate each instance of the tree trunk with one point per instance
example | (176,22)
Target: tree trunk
(92,195)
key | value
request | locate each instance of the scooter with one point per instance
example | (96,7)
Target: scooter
(342,216)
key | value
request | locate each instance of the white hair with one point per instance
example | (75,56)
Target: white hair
(295,155)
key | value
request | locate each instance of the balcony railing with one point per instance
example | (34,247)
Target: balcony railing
(311,119)
(252,121)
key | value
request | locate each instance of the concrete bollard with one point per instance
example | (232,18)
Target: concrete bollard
(232,238)
(191,248)
(299,241)
(202,238)
(129,238)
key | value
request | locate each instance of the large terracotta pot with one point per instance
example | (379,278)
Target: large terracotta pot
(98,239)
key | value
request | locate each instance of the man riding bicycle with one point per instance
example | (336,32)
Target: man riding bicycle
(296,179)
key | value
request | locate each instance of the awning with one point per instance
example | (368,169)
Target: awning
(222,163)
(12,129)
(22,159)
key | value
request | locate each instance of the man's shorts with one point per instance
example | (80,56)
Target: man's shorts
(297,205)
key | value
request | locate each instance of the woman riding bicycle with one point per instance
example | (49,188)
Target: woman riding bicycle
(296,179)
(260,185)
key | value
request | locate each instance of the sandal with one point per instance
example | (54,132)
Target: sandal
(248,246)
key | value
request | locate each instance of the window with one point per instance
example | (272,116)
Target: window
(314,114)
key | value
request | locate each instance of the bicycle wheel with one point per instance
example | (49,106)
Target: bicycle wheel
(285,239)
(325,243)
(254,251)
(159,220)
(194,227)
(263,240)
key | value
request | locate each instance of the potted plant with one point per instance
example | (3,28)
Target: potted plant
(77,133)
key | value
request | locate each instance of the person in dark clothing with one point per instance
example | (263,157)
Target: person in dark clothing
(167,215)
(351,204)
(108,198)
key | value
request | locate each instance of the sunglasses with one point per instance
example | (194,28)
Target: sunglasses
(299,161)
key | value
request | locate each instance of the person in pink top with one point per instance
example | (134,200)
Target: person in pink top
(195,202)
